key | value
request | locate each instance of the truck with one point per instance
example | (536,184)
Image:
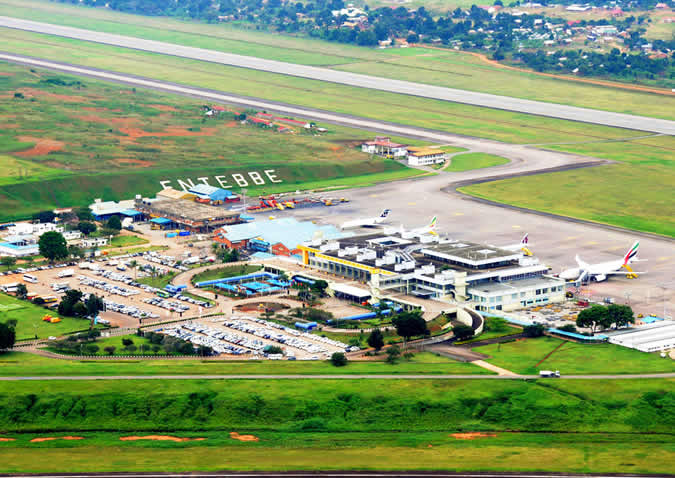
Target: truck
(549,374)
(65,273)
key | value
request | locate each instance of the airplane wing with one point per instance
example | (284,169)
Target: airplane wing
(357,223)
(624,272)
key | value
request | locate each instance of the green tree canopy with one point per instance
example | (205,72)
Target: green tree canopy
(592,317)
(410,324)
(114,223)
(7,336)
(52,245)
(86,227)
(376,339)
(462,331)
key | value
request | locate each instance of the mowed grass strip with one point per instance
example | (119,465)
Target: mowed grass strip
(579,453)
(468,161)
(24,364)
(522,357)
(443,68)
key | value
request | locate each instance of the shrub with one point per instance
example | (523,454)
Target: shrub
(338,359)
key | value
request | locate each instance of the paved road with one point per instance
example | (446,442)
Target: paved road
(329,377)
(354,79)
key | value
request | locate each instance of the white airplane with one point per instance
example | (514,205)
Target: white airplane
(367,221)
(428,229)
(523,245)
(599,272)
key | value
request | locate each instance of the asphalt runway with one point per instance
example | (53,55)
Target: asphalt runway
(555,240)
(539,108)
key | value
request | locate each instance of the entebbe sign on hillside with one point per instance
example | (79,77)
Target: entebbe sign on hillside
(242,180)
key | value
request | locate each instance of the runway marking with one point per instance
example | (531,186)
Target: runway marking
(459,214)
(373,195)
(591,243)
(515,226)
(572,238)
(616,248)
(412,204)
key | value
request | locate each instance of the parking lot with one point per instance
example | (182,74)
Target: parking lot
(246,336)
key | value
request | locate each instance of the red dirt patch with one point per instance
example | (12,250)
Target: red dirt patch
(41,148)
(231,124)
(4,73)
(237,436)
(41,439)
(134,133)
(32,92)
(472,435)
(160,438)
(7,439)
(163,107)
(100,109)
(134,162)
(113,121)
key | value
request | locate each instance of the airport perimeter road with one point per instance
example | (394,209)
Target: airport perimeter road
(330,377)
(354,79)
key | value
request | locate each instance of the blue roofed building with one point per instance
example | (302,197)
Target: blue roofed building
(212,193)
(279,237)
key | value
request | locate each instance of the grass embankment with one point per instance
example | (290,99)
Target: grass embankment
(465,162)
(22,364)
(444,68)
(572,358)
(646,165)
(556,189)
(609,426)
(119,143)
(126,240)
(29,319)
(492,331)
(224,272)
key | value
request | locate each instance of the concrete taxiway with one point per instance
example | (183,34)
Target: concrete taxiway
(540,108)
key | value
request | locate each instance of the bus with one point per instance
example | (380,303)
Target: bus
(30,278)
(49,299)
(163,294)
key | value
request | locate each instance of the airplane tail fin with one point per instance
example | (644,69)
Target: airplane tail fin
(525,239)
(580,263)
(385,213)
(432,224)
(632,253)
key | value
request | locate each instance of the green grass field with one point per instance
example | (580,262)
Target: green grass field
(573,358)
(29,319)
(119,143)
(19,363)
(158,282)
(126,240)
(224,272)
(465,162)
(443,68)
(610,426)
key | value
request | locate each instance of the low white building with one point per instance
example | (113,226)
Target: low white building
(19,246)
(94,242)
(33,229)
(649,338)
(383,146)
(422,156)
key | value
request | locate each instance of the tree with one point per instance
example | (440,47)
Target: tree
(536,330)
(319,288)
(156,348)
(86,227)
(410,324)
(68,302)
(462,332)
(496,324)
(21,291)
(376,339)
(134,266)
(91,349)
(7,336)
(393,353)
(94,304)
(127,342)
(44,216)
(568,328)
(592,317)
(131,348)
(8,261)
(338,359)
(619,315)
(75,251)
(114,223)
(84,214)
(110,350)
(53,246)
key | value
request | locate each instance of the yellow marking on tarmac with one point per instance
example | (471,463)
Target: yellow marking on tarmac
(515,227)
(459,214)
(591,243)
(412,204)
(373,195)
(664,258)
(571,238)
(616,248)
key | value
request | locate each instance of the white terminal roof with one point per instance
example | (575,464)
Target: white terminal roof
(351,290)
(647,336)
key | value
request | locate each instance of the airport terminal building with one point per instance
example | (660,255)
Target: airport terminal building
(427,266)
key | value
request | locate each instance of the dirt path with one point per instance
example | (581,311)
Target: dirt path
(610,84)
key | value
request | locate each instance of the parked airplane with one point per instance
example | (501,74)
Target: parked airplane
(428,229)
(523,245)
(599,272)
(367,221)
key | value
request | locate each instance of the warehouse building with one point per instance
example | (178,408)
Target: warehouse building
(654,337)
(383,146)
(423,156)
(430,267)
(279,237)
(211,194)
(186,214)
